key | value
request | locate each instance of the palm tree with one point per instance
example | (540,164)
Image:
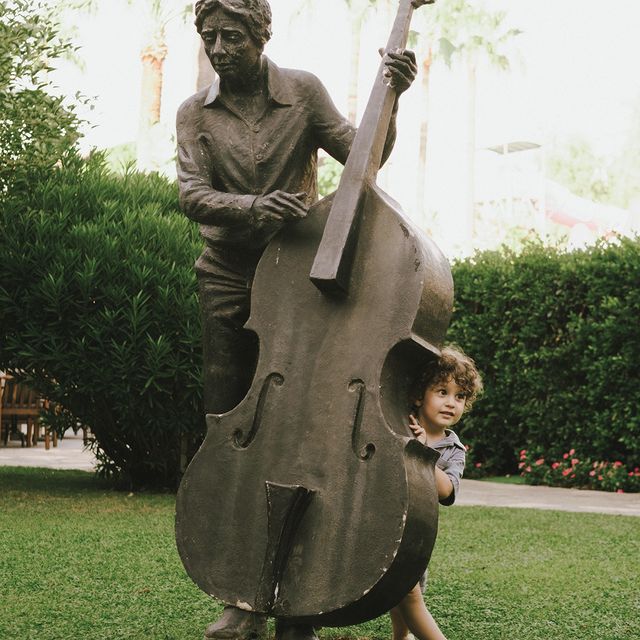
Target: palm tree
(459,30)
(155,15)
(358,11)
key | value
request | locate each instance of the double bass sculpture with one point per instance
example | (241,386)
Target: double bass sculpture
(310,500)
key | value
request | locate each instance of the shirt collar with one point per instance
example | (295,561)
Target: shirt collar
(450,439)
(277,86)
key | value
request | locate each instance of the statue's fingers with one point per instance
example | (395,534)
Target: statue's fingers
(402,65)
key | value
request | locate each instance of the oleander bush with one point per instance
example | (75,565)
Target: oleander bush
(99,312)
(557,337)
(37,125)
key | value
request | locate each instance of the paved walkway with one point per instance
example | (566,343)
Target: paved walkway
(71,454)
(498,494)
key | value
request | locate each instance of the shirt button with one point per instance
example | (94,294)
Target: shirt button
(259,157)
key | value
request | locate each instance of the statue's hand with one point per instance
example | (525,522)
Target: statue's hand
(278,207)
(400,69)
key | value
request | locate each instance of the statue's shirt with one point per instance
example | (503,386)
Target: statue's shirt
(225,160)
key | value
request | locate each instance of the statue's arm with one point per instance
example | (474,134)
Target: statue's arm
(335,133)
(198,199)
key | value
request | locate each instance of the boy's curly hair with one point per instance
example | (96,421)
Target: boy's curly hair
(256,14)
(452,364)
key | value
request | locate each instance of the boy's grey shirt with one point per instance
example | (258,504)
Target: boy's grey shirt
(451,461)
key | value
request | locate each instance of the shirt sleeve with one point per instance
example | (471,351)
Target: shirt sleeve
(198,199)
(335,133)
(454,468)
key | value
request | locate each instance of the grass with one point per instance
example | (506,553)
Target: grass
(505,479)
(81,562)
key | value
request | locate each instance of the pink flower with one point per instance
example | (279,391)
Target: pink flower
(572,452)
(478,465)
(619,490)
(573,475)
(555,465)
(600,478)
(574,461)
(631,474)
(523,453)
(521,465)
(592,473)
(565,455)
(617,464)
(539,462)
(566,472)
(528,469)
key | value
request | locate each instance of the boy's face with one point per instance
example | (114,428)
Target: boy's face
(441,405)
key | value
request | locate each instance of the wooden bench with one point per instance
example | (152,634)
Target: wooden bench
(18,405)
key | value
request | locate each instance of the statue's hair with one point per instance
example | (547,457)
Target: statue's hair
(256,15)
(453,364)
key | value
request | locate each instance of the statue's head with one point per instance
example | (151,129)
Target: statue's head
(255,14)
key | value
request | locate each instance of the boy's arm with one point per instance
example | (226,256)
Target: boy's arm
(453,472)
(443,485)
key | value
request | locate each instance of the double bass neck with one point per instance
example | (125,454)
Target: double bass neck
(332,264)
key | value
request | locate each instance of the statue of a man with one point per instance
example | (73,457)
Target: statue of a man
(247,161)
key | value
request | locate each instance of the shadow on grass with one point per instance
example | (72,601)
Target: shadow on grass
(60,482)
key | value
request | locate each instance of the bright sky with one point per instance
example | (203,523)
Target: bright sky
(578,75)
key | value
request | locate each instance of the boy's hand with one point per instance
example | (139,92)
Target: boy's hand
(418,431)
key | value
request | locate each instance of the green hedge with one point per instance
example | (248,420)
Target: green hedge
(99,310)
(557,337)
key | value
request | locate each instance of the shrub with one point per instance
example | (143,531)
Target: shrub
(557,339)
(99,312)
(573,470)
(37,128)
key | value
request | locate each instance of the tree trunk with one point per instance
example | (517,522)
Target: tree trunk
(354,68)
(424,135)
(152,58)
(470,168)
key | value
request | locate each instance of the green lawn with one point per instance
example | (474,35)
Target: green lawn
(81,562)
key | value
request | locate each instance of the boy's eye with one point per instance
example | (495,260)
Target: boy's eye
(461,396)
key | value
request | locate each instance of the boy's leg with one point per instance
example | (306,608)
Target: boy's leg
(417,617)
(400,629)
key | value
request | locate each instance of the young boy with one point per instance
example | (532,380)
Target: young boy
(447,389)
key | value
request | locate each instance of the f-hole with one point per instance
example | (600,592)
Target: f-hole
(239,439)
(359,388)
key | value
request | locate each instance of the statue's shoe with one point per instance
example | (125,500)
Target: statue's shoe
(289,631)
(236,624)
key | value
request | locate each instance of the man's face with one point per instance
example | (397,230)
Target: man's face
(229,45)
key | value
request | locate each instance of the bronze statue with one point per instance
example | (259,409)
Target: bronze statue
(247,160)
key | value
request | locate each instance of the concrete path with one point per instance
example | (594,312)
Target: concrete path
(71,454)
(498,494)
